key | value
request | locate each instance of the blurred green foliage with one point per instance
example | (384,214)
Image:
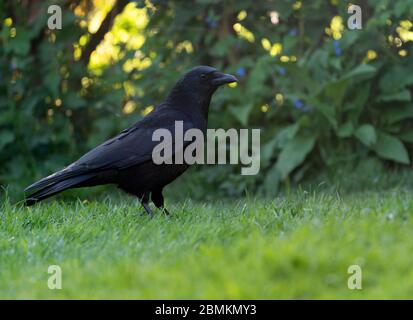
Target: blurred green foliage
(323,95)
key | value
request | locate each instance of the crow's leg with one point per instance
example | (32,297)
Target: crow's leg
(145,204)
(157,199)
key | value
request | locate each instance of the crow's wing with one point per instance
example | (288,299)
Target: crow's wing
(132,146)
(135,144)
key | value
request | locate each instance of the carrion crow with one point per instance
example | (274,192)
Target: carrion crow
(126,159)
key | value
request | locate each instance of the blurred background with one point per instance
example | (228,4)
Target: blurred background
(332,103)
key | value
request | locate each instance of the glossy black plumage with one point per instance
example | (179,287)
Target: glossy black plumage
(126,159)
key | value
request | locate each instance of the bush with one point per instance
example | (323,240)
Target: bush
(322,94)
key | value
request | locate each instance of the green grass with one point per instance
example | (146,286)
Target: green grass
(298,246)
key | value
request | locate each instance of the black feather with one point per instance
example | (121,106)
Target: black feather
(126,159)
(56,187)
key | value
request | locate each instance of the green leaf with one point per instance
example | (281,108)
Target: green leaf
(398,96)
(345,130)
(73,100)
(5,138)
(21,42)
(294,154)
(366,134)
(241,113)
(407,136)
(221,48)
(396,79)
(329,112)
(349,38)
(401,7)
(361,72)
(391,148)
(258,76)
(398,113)
(286,134)
(336,91)
(52,82)
(299,72)
(272,181)
(207,1)
(358,103)
(267,150)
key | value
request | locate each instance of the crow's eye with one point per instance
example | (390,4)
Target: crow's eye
(203,76)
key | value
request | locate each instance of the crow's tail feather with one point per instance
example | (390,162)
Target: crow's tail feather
(59,176)
(57,187)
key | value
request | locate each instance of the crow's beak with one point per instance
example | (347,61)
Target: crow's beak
(223,78)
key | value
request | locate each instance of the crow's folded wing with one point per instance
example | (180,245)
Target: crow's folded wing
(132,146)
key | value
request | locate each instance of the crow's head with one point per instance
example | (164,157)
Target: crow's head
(200,83)
(207,79)
(194,90)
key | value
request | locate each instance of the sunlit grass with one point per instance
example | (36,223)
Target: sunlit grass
(298,246)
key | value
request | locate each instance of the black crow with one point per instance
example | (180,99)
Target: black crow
(126,159)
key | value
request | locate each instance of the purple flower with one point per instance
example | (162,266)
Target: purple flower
(292,32)
(298,104)
(281,71)
(240,72)
(337,48)
(211,22)
(13,66)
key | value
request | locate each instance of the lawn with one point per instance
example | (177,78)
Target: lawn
(295,246)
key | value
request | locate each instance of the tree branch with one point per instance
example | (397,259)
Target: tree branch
(106,25)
